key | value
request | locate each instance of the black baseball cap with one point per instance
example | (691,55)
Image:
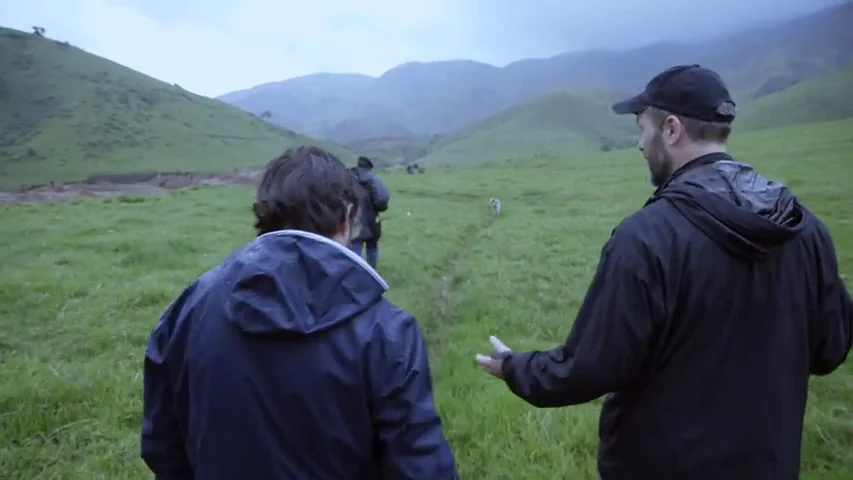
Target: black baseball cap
(364,162)
(687,90)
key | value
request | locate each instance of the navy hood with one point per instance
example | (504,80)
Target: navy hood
(297,283)
(741,211)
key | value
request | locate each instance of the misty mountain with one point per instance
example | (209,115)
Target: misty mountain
(419,99)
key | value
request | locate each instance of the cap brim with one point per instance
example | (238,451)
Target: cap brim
(634,105)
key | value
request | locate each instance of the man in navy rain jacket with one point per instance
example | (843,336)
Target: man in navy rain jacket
(286,361)
(710,308)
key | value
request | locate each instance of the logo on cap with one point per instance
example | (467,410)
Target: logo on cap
(727,109)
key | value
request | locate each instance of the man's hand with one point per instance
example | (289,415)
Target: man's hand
(493,363)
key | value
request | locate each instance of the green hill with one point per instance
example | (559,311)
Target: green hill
(67,114)
(387,151)
(554,123)
(563,121)
(774,74)
(826,98)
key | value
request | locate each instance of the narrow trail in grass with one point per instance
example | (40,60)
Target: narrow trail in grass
(444,312)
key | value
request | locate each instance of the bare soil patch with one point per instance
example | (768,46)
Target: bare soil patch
(148,183)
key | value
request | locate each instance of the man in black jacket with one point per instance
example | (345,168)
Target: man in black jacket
(710,308)
(286,361)
(372,204)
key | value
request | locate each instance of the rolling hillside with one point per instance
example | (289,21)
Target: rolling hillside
(442,97)
(553,123)
(387,151)
(566,121)
(67,114)
(826,98)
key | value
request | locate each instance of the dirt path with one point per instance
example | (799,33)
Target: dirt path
(444,311)
(125,184)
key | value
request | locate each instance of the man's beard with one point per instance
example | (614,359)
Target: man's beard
(659,161)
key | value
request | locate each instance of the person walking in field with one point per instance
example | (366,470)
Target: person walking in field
(710,308)
(286,361)
(372,204)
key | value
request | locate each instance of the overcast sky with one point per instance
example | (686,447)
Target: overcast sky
(215,46)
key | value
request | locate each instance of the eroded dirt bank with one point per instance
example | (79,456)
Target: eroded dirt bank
(125,184)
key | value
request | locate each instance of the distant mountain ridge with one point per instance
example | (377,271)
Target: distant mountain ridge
(424,99)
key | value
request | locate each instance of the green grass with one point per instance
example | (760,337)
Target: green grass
(82,285)
(556,122)
(827,98)
(67,114)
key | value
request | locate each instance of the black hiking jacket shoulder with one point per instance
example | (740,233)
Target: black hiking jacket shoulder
(372,204)
(710,308)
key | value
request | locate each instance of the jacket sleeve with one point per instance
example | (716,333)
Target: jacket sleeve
(378,193)
(609,341)
(162,444)
(412,445)
(832,331)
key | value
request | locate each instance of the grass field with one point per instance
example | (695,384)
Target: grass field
(82,285)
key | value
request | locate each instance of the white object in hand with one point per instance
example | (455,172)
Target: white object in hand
(498,345)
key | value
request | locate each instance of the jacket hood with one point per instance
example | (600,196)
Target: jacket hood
(297,283)
(732,204)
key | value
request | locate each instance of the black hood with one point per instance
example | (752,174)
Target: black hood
(734,206)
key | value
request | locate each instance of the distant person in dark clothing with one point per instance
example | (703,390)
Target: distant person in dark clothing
(372,204)
(710,308)
(286,361)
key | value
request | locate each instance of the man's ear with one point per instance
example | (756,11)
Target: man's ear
(672,130)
